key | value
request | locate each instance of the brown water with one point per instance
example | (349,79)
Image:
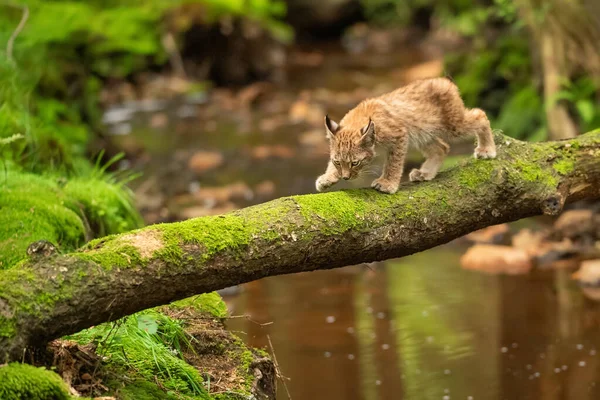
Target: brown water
(422,328)
(416,328)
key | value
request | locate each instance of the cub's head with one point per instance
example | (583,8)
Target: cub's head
(350,149)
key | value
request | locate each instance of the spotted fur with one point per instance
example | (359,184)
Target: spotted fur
(425,114)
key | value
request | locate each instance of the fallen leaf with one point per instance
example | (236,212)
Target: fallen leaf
(302,111)
(273,123)
(159,120)
(314,137)
(265,189)
(264,151)
(203,161)
(221,194)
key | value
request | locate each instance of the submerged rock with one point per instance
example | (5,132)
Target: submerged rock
(497,259)
(494,234)
(588,278)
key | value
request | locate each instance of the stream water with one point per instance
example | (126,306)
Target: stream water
(415,328)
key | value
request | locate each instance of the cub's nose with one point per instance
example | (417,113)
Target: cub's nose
(346,177)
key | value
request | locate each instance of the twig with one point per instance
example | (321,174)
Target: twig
(11,40)
(250,319)
(277,370)
(170,45)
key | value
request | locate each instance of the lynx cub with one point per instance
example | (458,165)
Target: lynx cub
(425,114)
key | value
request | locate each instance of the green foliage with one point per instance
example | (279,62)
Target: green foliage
(522,115)
(68,47)
(402,12)
(496,74)
(22,381)
(153,357)
(581,94)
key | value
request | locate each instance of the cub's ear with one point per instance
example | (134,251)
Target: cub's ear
(368,134)
(332,127)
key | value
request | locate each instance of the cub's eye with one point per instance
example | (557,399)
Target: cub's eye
(336,162)
(355,163)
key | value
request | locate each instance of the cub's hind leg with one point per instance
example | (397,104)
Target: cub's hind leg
(434,153)
(477,123)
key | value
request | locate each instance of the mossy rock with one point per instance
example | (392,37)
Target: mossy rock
(63,212)
(22,381)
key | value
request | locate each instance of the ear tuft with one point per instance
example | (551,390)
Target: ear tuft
(332,126)
(368,134)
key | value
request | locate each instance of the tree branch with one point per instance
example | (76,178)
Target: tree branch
(109,278)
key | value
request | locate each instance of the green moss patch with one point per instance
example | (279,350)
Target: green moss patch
(209,303)
(231,232)
(533,172)
(134,248)
(143,390)
(22,381)
(35,207)
(477,173)
(564,166)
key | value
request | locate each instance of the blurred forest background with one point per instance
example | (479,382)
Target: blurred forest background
(119,113)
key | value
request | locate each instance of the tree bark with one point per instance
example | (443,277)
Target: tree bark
(560,123)
(49,296)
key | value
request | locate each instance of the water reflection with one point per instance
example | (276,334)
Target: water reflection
(422,328)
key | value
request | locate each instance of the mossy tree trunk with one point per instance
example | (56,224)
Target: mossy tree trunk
(50,296)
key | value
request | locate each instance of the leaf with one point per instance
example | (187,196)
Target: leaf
(561,95)
(147,324)
(586,110)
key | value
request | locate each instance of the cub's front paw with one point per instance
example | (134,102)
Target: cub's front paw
(323,183)
(416,175)
(385,186)
(485,152)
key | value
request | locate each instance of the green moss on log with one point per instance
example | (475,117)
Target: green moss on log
(115,254)
(535,168)
(564,166)
(478,174)
(533,172)
(22,381)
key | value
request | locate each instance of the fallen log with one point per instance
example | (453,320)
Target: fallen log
(51,295)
